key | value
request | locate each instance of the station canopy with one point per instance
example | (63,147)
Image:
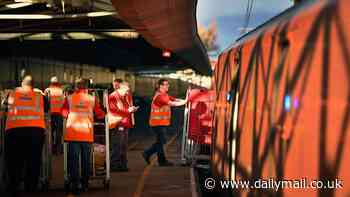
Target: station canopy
(125,34)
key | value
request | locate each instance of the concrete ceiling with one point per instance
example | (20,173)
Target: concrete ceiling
(164,24)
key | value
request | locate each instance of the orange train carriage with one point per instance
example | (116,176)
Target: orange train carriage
(284,90)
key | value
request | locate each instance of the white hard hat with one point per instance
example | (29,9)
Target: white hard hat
(54,79)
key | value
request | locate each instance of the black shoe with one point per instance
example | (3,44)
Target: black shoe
(166,163)
(146,158)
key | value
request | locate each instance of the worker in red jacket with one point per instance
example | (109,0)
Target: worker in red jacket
(160,120)
(120,121)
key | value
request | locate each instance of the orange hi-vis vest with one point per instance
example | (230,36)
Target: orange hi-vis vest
(26,109)
(79,126)
(160,116)
(56,99)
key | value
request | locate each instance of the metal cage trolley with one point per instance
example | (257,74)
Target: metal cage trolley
(198,117)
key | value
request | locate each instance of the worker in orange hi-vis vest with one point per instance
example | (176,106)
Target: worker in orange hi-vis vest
(24,135)
(120,121)
(56,98)
(79,109)
(160,119)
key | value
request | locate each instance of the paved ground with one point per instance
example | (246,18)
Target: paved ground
(141,180)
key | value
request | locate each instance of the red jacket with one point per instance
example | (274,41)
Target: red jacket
(163,99)
(119,105)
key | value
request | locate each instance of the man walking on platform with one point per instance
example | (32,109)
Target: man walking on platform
(120,121)
(160,120)
(56,98)
(24,135)
(79,110)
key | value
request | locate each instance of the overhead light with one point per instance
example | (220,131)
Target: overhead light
(17,5)
(25,16)
(23,1)
(97,14)
(56,16)
(70,35)
(127,34)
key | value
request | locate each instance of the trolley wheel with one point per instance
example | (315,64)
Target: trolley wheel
(106,184)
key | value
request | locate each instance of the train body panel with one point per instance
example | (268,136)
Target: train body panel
(293,108)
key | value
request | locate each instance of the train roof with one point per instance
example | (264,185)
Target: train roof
(279,19)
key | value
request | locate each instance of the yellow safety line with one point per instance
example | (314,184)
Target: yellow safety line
(147,170)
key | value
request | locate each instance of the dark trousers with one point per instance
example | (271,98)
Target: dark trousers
(119,147)
(57,130)
(157,147)
(78,150)
(23,147)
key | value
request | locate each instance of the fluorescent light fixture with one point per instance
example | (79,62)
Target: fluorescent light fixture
(17,5)
(69,35)
(97,14)
(23,1)
(25,16)
(57,16)
(127,34)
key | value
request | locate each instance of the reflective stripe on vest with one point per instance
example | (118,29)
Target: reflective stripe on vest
(160,116)
(24,118)
(79,126)
(26,109)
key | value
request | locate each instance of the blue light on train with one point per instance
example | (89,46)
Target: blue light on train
(287,102)
(228,97)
